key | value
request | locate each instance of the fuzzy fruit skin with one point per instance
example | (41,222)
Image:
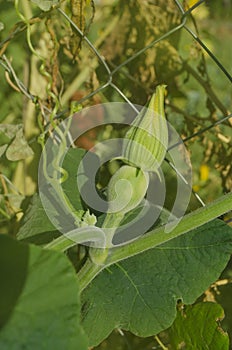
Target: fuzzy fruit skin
(98,256)
(126,189)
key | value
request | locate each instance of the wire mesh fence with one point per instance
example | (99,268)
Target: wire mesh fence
(136,49)
(113,71)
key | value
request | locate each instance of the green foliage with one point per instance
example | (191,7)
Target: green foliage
(40,307)
(35,222)
(45,5)
(198,327)
(46,67)
(14,143)
(70,163)
(140,293)
(36,225)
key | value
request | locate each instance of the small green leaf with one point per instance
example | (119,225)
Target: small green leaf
(46,5)
(19,148)
(140,294)
(39,303)
(198,327)
(10,130)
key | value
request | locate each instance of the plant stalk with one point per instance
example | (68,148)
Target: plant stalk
(156,237)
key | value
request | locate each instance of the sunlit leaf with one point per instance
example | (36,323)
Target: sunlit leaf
(198,327)
(45,5)
(9,130)
(19,148)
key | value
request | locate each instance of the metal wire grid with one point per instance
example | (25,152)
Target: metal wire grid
(110,73)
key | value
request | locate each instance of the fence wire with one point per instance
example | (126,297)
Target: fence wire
(110,73)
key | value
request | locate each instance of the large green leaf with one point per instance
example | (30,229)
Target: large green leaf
(198,327)
(38,298)
(140,293)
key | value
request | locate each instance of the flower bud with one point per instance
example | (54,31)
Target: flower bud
(146,141)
